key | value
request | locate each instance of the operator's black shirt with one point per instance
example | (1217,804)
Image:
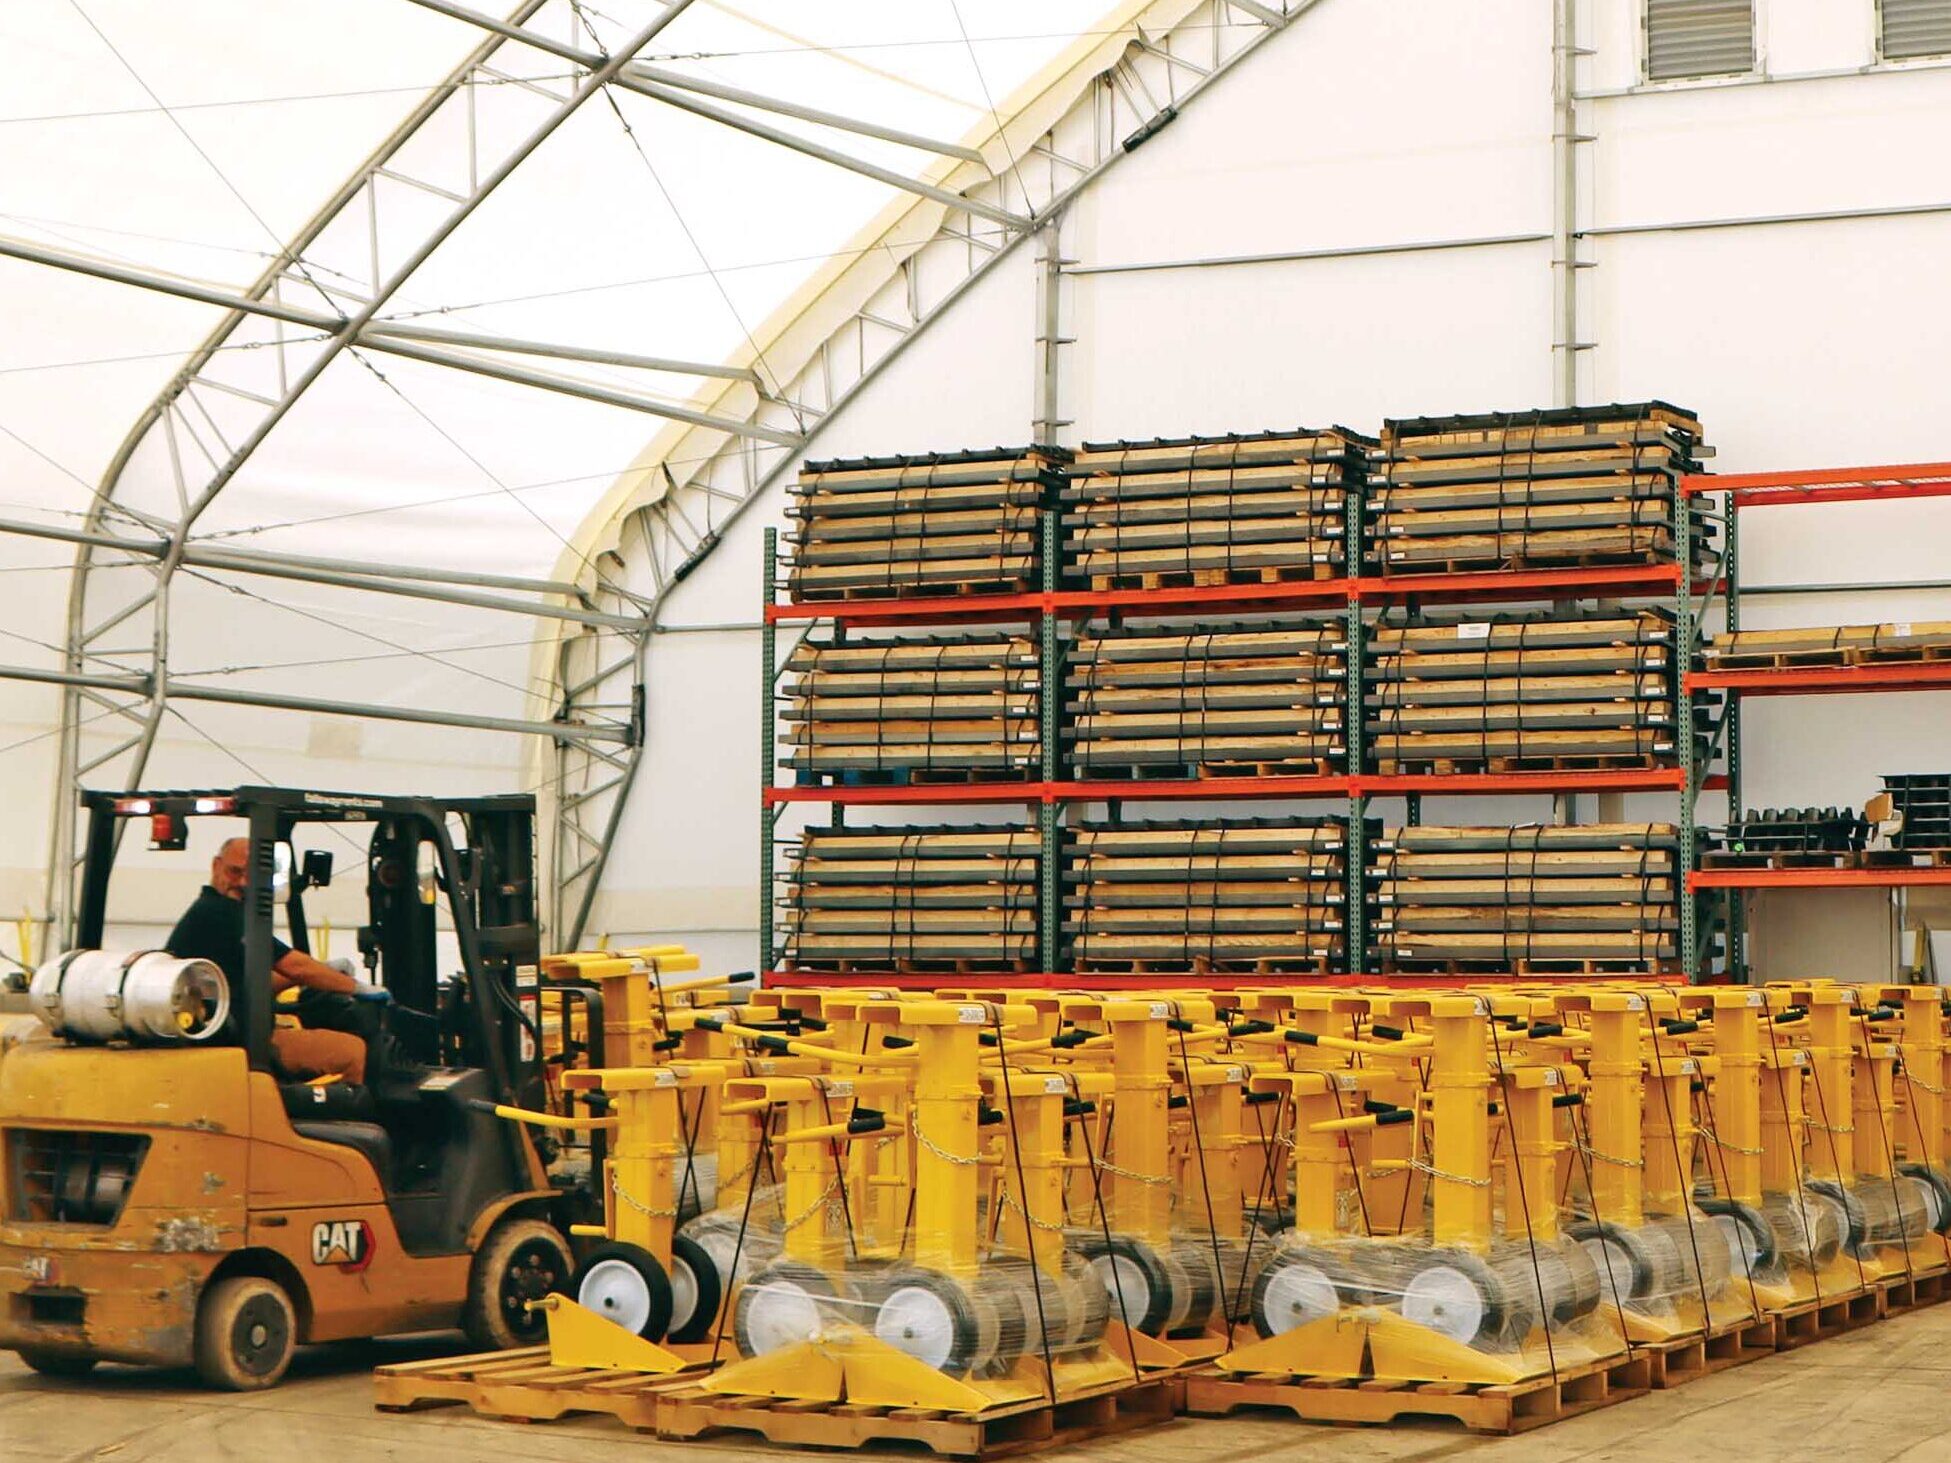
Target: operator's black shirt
(213,929)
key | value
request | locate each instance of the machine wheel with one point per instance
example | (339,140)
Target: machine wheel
(624,1284)
(932,1318)
(1938,1203)
(63,1364)
(1135,1280)
(1751,1248)
(1850,1214)
(785,1303)
(1299,1285)
(246,1332)
(1628,1270)
(695,1291)
(520,1261)
(1459,1295)
(1807,1231)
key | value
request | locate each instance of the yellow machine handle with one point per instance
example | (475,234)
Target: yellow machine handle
(542,1119)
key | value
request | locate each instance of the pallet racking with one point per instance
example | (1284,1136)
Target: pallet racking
(1051,605)
(1743,491)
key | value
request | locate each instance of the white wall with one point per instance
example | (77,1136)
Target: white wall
(1803,344)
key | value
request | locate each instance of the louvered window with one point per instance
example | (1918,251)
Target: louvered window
(1914,28)
(1686,38)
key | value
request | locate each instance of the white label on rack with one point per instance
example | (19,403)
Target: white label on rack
(1635,1003)
(1344,1081)
(1236,1074)
(666,1077)
(1054,1087)
(1754,998)
(970,1015)
(1473,630)
(1901,629)
(840,1087)
(1160,1010)
(1551,1076)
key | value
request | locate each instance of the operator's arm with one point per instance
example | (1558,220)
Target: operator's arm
(298,968)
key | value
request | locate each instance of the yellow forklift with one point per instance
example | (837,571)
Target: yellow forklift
(172,1199)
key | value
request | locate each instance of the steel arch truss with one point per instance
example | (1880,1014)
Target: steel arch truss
(694,483)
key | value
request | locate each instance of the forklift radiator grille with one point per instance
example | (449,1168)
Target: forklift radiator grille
(67,1177)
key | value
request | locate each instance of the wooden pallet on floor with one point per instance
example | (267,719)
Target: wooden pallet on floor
(522,1386)
(1926,1287)
(1499,1410)
(1831,1315)
(1691,1357)
(693,1413)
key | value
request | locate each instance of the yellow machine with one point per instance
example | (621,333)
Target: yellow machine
(171,1200)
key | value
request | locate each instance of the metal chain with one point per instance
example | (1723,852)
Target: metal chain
(1826,1128)
(1917,1081)
(1719,1142)
(914,1126)
(1008,1201)
(824,1202)
(1436,1173)
(1590,1152)
(616,1187)
(1107,1166)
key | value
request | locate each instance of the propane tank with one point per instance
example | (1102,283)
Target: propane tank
(143,996)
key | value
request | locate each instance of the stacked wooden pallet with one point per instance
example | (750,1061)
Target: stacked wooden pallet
(944,523)
(1260,895)
(1261,699)
(1538,489)
(1520,692)
(932,899)
(1211,510)
(924,708)
(1820,645)
(1582,897)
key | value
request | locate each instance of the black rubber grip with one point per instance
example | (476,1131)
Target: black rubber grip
(1302,1038)
(1078,1108)
(1680,1028)
(1394,1116)
(778,1044)
(705,1024)
(870,1122)
(1545,1028)
(1250,1028)
(1178,1100)
(1386,1033)
(811,1023)
(988,1117)
(1256,1099)
(1569,1099)
(667,1044)
(1177,1023)
(1376,1105)
(741,977)
(897,1043)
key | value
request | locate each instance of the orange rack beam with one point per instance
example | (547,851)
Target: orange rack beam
(1825,484)
(1603,779)
(1884,878)
(1831,680)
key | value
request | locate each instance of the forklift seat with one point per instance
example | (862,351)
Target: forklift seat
(368,1138)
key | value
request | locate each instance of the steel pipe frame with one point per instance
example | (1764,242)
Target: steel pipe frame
(378,579)
(138,685)
(147,711)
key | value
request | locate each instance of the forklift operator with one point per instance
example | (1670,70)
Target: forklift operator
(213,929)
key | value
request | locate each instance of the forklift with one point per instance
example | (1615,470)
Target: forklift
(172,1198)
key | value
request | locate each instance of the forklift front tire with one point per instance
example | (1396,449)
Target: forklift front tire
(64,1364)
(521,1260)
(246,1332)
(624,1284)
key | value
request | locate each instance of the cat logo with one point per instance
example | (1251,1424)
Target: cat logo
(347,1243)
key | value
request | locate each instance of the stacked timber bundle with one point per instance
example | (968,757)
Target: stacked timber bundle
(1830,645)
(1521,692)
(943,899)
(1582,897)
(1537,489)
(922,709)
(1262,896)
(1261,699)
(944,523)
(1211,510)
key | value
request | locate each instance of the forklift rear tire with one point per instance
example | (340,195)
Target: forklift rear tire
(520,1261)
(695,1291)
(624,1284)
(59,1363)
(246,1332)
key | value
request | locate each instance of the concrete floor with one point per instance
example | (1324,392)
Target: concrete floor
(1874,1396)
